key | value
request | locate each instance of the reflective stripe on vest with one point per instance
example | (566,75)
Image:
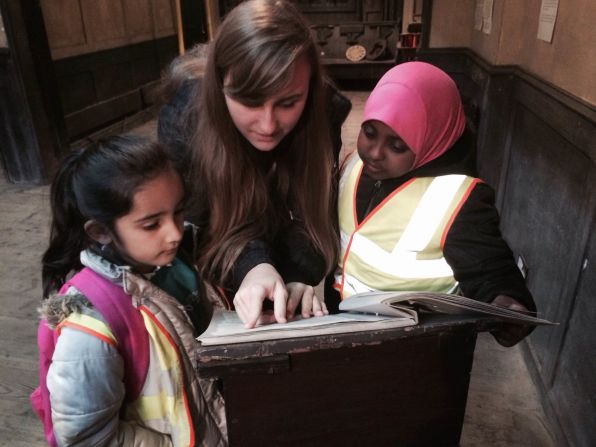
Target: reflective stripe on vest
(89,325)
(163,403)
(398,246)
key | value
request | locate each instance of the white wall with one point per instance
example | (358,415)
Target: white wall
(568,62)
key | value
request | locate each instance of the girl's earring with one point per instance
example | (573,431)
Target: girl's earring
(103,247)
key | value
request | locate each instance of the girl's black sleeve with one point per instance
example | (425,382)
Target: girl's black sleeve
(254,253)
(481,260)
(291,253)
(296,258)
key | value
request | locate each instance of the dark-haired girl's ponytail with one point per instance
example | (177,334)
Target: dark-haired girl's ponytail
(67,236)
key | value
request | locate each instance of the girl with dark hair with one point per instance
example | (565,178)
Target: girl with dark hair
(117,217)
(263,155)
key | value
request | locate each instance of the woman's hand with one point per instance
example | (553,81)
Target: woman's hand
(304,294)
(260,283)
(510,334)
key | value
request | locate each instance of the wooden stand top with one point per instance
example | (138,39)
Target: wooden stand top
(236,358)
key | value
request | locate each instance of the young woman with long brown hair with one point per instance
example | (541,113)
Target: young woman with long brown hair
(263,159)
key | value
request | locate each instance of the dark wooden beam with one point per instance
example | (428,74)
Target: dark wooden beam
(427,11)
(33,122)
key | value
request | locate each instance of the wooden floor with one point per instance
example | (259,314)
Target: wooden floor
(503,408)
(23,234)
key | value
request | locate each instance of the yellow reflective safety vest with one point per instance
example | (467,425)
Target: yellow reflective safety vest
(163,403)
(173,399)
(399,244)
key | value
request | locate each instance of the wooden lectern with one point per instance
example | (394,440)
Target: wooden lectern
(395,387)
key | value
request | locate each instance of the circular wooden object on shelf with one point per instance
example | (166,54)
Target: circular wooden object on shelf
(355,53)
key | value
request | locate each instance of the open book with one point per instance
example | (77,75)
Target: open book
(226,327)
(361,312)
(399,304)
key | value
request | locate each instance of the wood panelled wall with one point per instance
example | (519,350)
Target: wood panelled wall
(16,129)
(548,202)
(536,147)
(32,131)
(3,39)
(76,27)
(108,56)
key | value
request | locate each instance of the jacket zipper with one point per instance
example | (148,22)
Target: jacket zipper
(375,193)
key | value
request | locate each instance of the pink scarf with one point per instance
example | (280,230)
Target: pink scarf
(421,104)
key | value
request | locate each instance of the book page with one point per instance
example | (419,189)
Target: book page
(434,302)
(376,303)
(226,327)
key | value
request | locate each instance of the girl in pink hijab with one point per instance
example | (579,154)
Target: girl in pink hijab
(412,214)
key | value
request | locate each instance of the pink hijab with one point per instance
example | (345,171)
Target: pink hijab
(421,104)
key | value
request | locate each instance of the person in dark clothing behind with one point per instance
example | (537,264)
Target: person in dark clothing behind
(412,215)
(261,128)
